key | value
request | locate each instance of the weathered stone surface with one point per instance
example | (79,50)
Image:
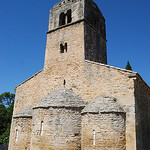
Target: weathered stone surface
(104,119)
(109,131)
(61,98)
(142,112)
(102,104)
(21,134)
(61,129)
(25,112)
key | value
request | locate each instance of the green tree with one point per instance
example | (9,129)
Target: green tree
(7,98)
(6,111)
(10,112)
(3,118)
(128,66)
(4,138)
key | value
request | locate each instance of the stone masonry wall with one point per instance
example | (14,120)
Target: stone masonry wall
(61,129)
(109,131)
(89,80)
(63,7)
(93,15)
(142,98)
(23,125)
(95,45)
(73,36)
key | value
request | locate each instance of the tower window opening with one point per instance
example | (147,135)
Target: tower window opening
(69,17)
(62,19)
(65,47)
(94,136)
(61,48)
(16,137)
(41,130)
(65,17)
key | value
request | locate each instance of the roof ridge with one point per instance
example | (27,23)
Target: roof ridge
(117,68)
(28,79)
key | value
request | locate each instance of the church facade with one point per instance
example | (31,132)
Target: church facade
(77,101)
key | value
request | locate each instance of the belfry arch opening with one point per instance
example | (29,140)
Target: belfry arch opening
(69,16)
(65,18)
(62,19)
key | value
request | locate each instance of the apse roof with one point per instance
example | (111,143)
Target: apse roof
(102,104)
(61,98)
(25,112)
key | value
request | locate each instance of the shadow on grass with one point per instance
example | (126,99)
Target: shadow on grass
(3,147)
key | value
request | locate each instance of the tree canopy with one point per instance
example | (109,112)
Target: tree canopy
(6,111)
(128,66)
(7,98)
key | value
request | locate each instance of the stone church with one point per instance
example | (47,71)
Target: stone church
(77,101)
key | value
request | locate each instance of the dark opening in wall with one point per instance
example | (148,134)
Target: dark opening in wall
(61,48)
(62,19)
(69,17)
(65,18)
(64,82)
(65,47)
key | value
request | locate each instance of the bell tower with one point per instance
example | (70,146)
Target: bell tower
(76,33)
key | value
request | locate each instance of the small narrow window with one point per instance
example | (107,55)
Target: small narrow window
(94,135)
(65,47)
(62,19)
(61,48)
(69,16)
(64,82)
(41,131)
(16,135)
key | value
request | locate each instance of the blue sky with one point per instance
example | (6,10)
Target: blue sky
(23,26)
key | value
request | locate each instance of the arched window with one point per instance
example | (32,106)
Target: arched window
(63,48)
(62,19)
(16,137)
(69,16)
(41,130)
(65,18)
(94,135)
